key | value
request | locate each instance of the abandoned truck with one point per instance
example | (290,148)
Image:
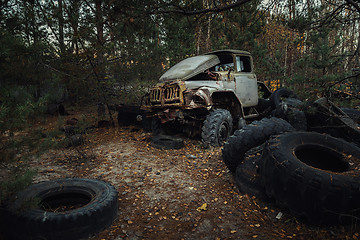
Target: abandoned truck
(209,95)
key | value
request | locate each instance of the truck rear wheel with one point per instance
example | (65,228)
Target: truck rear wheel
(217,127)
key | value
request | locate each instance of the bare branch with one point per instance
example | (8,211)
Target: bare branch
(215,9)
(355,5)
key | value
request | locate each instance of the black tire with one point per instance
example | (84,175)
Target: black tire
(297,119)
(247,177)
(330,119)
(98,209)
(251,136)
(275,97)
(353,114)
(217,128)
(264,106)
(314,175)
(156,126)
(146,123)
(167,142)
(294,102)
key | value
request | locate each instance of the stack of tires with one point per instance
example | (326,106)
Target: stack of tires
(314,175)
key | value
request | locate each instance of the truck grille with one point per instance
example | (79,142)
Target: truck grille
(165,95)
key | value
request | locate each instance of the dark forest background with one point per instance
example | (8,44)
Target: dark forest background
(79,52)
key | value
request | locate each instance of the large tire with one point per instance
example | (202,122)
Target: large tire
(276,97)
(217,127)
(156,126)
(167,142)
(353,114)
(251,136)
(96,203)
(247,176)
(146,123)
(297,119)
(315,175)
(330,119)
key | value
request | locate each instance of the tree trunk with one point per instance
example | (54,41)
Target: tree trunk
(99,32)
(74,12)
(61,27)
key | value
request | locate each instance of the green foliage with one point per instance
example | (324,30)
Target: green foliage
(113,51)
(319,68)
(18,105)
(18,180)
(178,37)
(238,28)
(19,141)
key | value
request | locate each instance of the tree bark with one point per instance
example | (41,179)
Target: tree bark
(61,27)
(99,31)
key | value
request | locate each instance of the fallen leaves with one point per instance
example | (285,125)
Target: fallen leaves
(168,194)
(202,207)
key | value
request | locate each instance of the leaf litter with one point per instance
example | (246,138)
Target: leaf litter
(186,193)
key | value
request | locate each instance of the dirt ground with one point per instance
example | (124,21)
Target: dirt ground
(174,194)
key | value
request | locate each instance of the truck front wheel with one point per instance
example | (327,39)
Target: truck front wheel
(217,127)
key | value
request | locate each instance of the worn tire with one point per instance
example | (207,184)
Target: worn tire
(297,119)
(353,114)
(275,97)
(247,176)
(217,127)
(314,175)
(251,136)
(98,209)
(167,142)
(156,126)
(146,123)
(330,119)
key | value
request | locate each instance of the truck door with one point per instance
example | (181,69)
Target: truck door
(245,81)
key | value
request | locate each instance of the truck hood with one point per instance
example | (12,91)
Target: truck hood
(189,67)
(211,85)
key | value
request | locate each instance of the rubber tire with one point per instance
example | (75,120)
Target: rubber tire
(264,105)
(330,119)
(156,127)
(146,123)
(251,136)
(298,172)
(36,223)
(294,102)
(212,126)
(247,176)
(167,142)
(275,97)
(352,113)
(297,119)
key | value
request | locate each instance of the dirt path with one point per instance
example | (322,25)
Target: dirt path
(174,194)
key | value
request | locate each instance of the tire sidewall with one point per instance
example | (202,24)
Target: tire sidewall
(35,223)
(223,130)
(275,97)
(323,197)
(214,123)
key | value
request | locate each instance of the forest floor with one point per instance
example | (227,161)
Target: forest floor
(173,194)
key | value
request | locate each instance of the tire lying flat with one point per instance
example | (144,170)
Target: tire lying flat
(162,141)
(251,136)
(315,175)
(96,209)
